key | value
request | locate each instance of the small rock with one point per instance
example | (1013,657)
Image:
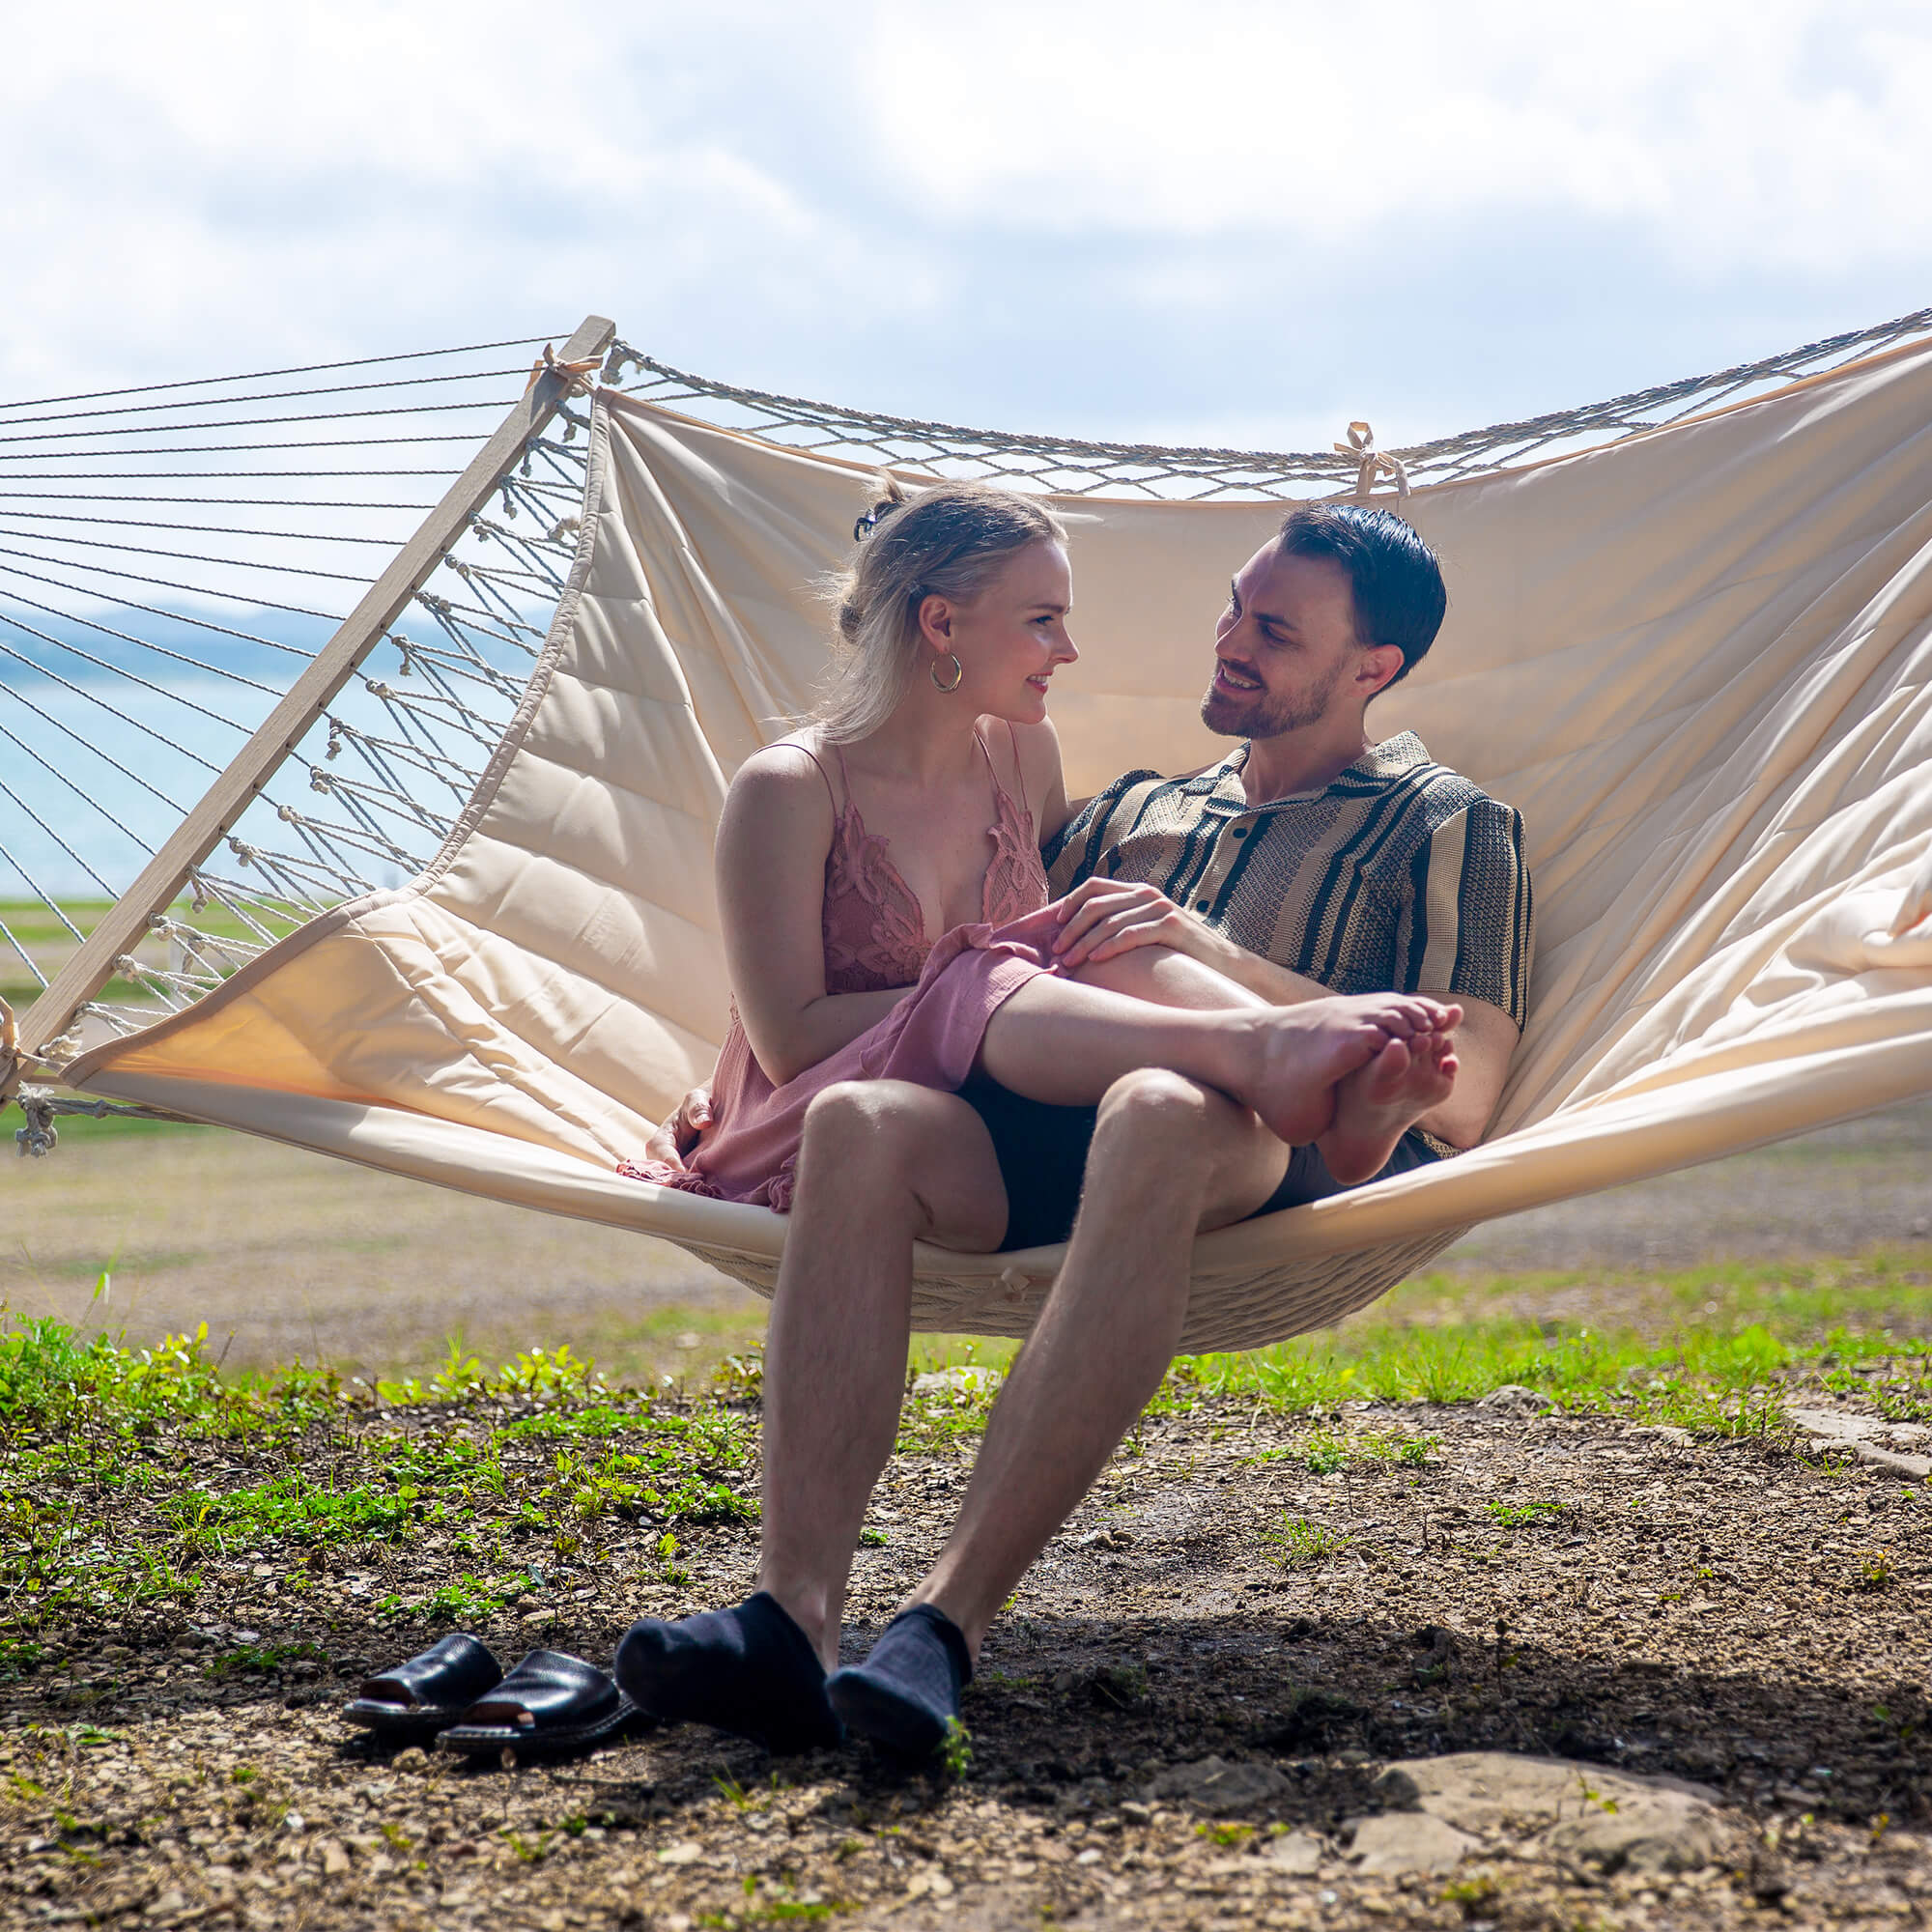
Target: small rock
(334,1858)
(1214,1784)
(1768,1877)
(411,1758)
(967,1379)
(686,1853)
(537,1619)
(1089,1856)
(1513,1399)
(1828,1428)
(1396,1843)
(1579,1812)
(1294,1853)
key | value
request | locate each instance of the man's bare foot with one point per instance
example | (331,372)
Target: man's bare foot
(1300,1054)
(1381,1101)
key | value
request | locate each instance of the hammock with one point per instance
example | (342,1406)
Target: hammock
(1693,655)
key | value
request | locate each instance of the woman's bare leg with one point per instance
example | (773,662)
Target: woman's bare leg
(1065,1043)
(1166,977)
(1375,1105)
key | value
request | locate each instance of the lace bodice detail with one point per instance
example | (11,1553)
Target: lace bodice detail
(873,924)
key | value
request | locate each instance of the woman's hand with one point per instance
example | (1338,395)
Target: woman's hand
(1103,918)
(678,1136)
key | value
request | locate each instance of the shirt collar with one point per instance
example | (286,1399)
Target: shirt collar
(1378,767)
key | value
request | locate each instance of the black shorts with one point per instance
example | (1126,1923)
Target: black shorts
(1042,1155)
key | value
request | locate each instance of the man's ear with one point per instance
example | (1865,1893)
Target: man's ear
(1379,667)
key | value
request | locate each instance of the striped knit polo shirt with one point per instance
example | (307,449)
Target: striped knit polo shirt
(1400,876)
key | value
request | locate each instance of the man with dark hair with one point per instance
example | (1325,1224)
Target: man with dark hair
(1310,861)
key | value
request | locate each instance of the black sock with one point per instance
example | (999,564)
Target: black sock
(905,1696)
(751,1670)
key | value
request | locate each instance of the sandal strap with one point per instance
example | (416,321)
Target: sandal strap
(448,1675)
(551,1688)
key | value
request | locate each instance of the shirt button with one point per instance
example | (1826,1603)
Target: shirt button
(1240,832)
(1201,905)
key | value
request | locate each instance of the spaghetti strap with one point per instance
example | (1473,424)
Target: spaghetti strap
(838,810)
(1000,795)
(1019,770)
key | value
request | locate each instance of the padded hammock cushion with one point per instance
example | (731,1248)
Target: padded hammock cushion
(1696,661)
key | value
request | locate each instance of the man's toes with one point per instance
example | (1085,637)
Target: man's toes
(1387,1071)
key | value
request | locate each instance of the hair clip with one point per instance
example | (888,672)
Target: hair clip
(872,519)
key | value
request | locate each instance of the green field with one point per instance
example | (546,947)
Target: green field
(45,937)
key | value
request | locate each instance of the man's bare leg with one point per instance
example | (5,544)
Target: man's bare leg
(883,1164)
(1169,1158)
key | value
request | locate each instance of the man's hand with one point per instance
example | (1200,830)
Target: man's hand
(680,1134)
(1101,919)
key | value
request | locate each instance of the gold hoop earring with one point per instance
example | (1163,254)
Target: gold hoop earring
(958,671)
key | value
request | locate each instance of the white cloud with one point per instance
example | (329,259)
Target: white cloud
(1009,211)
(1741,131)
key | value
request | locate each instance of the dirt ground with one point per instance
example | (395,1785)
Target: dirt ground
(286,1254)
(1181,1721)
(1195,1715)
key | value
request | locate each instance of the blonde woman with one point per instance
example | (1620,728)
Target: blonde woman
(887,931)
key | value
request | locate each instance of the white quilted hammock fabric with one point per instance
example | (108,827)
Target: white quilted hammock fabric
(1696,661)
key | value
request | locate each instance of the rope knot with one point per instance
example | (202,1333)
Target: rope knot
(40,1136)
(1371,462)
(577,378)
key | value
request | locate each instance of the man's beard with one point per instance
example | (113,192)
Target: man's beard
(1266,715)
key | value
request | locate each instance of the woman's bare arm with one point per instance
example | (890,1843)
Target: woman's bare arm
(773,839)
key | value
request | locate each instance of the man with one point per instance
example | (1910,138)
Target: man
(1311,861)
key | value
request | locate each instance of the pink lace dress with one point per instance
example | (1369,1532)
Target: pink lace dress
(874,931)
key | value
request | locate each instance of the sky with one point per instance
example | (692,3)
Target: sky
(1209,221)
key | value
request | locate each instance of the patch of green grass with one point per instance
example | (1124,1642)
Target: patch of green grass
(1225,1834)
(294,1507)
(110,1472)
(1326,1452)
(470,1599)
(1297,1544)
(18,1657)
(258,1658)
(955,1752)
(1519,1515)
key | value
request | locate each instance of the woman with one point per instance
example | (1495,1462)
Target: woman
(883,904)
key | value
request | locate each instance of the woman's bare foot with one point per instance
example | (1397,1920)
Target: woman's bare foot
(1381,1101)
(1299,1055)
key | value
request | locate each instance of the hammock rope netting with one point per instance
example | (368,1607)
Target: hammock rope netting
(262,639)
